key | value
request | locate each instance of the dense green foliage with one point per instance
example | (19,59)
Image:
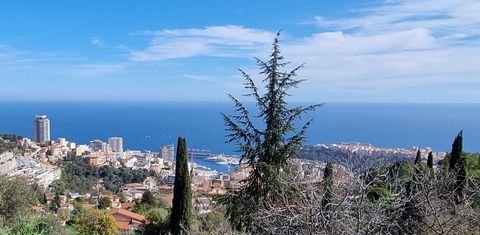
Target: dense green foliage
(267,150)
(104,203)
(158,221)
(16,197)
(378,192)
(181,217)
(10,142)
(148,198)
(35,225)
(472,163)
(96,222)
(148,202)
(400,171)
(16,216)
(79,176)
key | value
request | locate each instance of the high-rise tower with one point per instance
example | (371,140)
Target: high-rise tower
(116,144)
(41,129)
(167,152)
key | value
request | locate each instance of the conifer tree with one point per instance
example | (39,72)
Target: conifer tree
(461,181)
(411,218)
(458,166)
(182,192)
(266,150)
(328,186)
(418,159)
(457,149)
(417,175)
(430,160)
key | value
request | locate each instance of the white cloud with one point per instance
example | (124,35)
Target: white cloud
(389,46)
(17,58)
(18,63)
(202,78)
(93,69)
(221,41)
(95,41)
(395,45)
(443,17)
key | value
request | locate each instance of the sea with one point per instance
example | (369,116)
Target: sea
(148,126)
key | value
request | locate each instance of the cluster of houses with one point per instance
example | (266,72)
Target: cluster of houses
(129,195)
(360,149)
(126,220)
(36,165)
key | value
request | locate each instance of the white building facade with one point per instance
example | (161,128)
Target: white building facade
(116,144)
(41,129)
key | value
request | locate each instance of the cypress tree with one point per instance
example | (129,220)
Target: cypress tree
(430,160)
(411,218)
(417,175)
(457,149)
(182,192)
(328,194)
(458,165)
(461,181)
(328,186)
(418,159)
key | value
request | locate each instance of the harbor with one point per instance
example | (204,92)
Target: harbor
(205,161)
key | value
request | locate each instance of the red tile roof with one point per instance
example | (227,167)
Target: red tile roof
(127,205)
(133,216)
(134,185)
(167,187)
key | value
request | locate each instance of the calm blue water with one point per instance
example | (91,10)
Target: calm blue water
(147,126)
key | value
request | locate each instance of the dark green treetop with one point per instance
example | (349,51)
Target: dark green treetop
(148,198)
(457,149)
(418,158)
(430,160)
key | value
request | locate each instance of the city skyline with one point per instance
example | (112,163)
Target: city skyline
(368,51)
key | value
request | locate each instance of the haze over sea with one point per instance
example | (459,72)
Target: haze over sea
(147,126)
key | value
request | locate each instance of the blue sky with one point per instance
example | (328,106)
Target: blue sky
(355,51)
